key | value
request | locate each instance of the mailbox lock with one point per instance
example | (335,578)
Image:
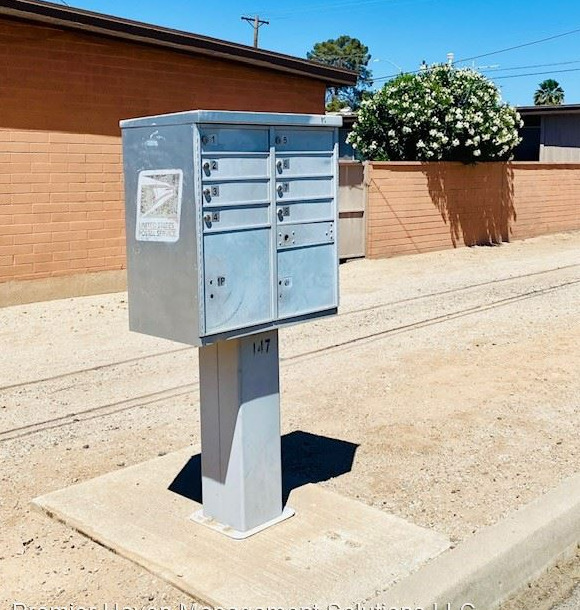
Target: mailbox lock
(206,166)
(207,192)
(207,218)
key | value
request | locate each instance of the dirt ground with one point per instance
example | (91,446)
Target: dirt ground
(451,378)
(557,589)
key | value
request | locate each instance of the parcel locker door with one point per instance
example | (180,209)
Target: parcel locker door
(238,279)
(307,276)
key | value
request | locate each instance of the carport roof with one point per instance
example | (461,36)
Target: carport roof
(544,110)
(177,40)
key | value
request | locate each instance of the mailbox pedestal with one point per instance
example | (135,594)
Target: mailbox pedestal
(240,435)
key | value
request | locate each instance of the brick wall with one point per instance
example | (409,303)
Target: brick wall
(418,207)
(62,96)
(61,207)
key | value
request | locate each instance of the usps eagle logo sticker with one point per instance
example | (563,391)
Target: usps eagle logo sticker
(159,205)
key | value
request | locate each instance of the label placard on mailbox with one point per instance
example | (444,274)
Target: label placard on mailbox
(159,205)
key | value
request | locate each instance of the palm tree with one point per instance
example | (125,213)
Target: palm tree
(549,93)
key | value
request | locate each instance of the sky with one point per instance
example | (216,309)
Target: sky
(400,34)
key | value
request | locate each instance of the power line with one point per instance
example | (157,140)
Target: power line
(289,14)
(512,48)
(556,63)
(537,73)
(256,23)
(520,46)
(321,7)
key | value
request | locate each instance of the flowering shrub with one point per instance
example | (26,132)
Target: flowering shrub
(440,114)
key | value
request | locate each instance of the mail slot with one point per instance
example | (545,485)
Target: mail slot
(218,138)
(303,211)
(217,219)
(306,140)
(291,164)
(292,189)
(231,222)
(220,166)
(236,191)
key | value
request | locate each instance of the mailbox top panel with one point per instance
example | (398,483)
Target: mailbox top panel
(237,118)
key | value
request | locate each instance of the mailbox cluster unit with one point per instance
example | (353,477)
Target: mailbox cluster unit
(231,233)
(231,222)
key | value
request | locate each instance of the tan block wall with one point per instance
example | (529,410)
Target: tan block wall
(419,207)
(61,206)
(546,198)
(62,96)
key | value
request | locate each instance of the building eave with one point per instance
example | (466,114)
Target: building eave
(177,40)
(545,110)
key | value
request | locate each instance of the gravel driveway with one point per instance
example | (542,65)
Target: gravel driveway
(454,373)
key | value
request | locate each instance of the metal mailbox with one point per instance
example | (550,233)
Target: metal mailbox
(231,222)
(231,233)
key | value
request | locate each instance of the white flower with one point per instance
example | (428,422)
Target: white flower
(477,152)
(455,142)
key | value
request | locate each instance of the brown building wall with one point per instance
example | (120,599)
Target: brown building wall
(62,96)
(418,207)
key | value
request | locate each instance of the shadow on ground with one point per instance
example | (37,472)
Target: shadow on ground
(306,458)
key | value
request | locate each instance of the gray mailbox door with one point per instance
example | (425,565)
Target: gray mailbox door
(237,232)
(305,228)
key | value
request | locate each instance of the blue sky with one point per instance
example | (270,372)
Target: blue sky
(398,33)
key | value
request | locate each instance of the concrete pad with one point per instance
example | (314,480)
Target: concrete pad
(334,550)
(498,561)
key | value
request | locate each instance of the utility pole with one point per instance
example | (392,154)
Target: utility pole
(256,23)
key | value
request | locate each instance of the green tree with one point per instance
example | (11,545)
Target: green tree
(549,93)
(349,53)
(440,114)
